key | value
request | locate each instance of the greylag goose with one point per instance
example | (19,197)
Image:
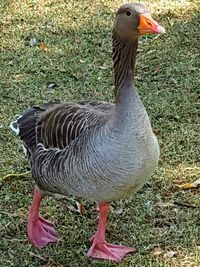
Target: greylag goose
(98,151)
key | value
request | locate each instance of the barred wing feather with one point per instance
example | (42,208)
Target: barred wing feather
(57,124)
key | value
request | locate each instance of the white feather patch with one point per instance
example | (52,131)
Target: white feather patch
(14,127)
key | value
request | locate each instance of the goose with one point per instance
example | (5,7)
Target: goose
(98,151)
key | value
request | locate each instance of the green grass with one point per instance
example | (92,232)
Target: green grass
(78,60)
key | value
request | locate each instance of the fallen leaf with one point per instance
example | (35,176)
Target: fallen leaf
(157,251)
(118,211)
(196,183)
(190,185)
(170,254)
(43,46)
(80,207)
(52,85)
(33,42)
(30,41)
(185,186)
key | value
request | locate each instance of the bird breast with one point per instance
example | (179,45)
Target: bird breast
(113,169)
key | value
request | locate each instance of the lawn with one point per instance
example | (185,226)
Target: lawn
(162,220)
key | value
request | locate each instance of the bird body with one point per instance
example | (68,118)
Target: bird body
(94,150)
(104,163)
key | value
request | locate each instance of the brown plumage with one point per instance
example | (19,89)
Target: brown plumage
(56,124)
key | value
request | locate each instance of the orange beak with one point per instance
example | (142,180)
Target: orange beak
(148,25)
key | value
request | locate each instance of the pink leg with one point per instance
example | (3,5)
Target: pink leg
(40,231)
(100,248)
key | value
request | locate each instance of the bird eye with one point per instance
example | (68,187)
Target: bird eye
(128,12)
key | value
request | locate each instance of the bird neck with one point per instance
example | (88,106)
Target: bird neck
(124,58)
(129,108)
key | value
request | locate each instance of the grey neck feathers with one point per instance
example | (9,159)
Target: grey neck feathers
(124,57)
